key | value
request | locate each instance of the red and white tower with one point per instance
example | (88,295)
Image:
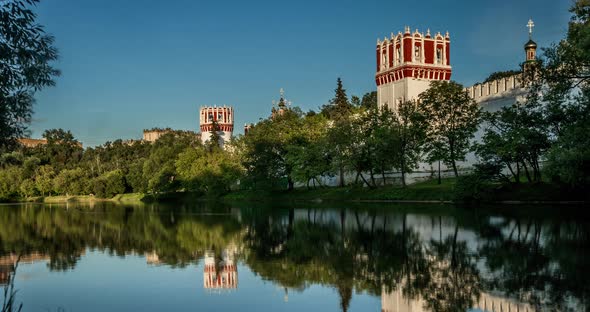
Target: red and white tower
(224,116)
(407,63)
(222,275)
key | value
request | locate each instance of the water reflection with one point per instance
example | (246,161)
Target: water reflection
(415,259)
(220,274)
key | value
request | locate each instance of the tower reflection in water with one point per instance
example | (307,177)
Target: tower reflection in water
(220,274)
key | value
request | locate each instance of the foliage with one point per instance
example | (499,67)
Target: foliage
(70,181)
(265,148)
(212,172)
(369,100)
(339,106)
(26,54)
(470,188)
(453,119)
(10,179)
(567,76)
(410,131)
(44,179)
(109,184)
(501,74)
(516,137)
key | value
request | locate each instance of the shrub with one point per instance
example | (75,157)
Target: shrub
(109,184)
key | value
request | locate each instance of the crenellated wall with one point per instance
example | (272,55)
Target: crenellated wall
(505,87)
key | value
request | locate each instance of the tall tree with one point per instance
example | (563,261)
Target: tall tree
(453,119)
(62,148)
(369,100)
(410,131)
(215,139)
(339,106)
(567,76)
(26,54)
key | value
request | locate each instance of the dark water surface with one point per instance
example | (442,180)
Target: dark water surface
(331,257)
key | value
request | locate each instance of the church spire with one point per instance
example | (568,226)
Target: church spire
(530,47)
(530,25)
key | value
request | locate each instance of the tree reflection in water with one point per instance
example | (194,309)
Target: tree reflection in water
(444,260)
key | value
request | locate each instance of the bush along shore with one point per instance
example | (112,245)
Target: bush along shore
(449,191)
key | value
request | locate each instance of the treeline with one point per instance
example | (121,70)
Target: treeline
(176,161)
(547,131)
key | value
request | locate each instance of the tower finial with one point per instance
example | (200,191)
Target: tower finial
(530,25)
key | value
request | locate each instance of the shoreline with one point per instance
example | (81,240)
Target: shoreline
(428,192)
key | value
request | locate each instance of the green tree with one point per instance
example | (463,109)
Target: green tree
(453,119)
(44,179)
(70,182)
(215,141)
(109,184)
(212,172)
(26,54)
(10,180)
(338,106)
(566,76)
(62,149)
(410,128)
(309,159)
(266,146)
(27,188)
(516,136)
(340,135)
(369,100)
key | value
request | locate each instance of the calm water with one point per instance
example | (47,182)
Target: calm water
(253,257)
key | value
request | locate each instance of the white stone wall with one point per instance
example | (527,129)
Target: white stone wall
(225,137)
(391,94)
(505,87)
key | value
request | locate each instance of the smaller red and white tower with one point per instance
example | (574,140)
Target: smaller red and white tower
(408,62)
(224,116)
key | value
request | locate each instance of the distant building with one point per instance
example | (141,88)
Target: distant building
(9,261)
(223,116)
(27,142)
(281,106)
(151,135)
(31,143)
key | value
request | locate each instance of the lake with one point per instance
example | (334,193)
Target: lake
(304,257)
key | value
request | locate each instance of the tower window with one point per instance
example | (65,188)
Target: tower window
(399,55)
(417,53)
(438,56)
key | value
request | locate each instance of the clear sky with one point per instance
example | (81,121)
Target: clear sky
(128,65)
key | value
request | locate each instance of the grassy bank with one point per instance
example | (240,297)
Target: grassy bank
(428,191)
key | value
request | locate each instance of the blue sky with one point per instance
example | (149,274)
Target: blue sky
(134,64)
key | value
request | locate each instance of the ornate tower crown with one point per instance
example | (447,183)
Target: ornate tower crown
(413,55)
